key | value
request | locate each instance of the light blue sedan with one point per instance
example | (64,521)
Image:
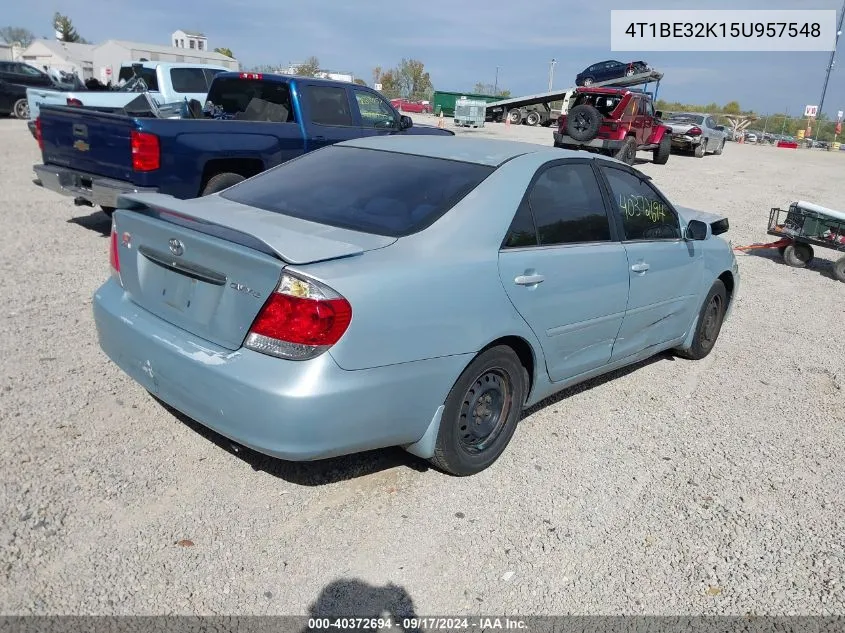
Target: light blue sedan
(416,292)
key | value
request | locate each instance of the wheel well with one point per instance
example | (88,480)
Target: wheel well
(246,167)
(727,278)
(523,351)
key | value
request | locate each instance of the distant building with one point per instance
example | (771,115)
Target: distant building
(189,40)
(6,54)
(67,56)
(109,55)
(322,74)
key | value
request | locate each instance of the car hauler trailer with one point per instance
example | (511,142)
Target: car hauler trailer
(536,109)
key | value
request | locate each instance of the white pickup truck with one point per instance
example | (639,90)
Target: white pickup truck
(164,82)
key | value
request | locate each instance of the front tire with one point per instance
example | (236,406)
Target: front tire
(718,150)
(664,149)
(709,324)
(533,118)
(481,413)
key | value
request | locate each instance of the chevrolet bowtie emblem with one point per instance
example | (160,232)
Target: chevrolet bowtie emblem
(81,145)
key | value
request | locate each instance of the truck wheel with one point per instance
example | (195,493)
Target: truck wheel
(701,149)
(221,182)
(798,255)
(21,109)
(839,269)
(533,118)
(515,116)
(664,148)
(583,122)
(628,152)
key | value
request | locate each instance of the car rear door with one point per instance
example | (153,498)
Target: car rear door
(329,113)
(564,268)
(664,269)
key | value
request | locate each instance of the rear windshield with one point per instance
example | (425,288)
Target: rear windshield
(363,190)
(250,100)
(605,104)
(147,74)
(687,118)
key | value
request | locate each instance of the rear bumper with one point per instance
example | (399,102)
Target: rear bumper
(77,184)
(294,410)
(597,143)
(681,140)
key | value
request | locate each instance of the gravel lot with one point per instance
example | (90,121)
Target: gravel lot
(677,487)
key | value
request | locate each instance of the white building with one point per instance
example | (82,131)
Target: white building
(67,56)
(109,56)
(190,40)
(6,54)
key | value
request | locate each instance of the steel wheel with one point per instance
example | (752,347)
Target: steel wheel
(486,407)
(712,320)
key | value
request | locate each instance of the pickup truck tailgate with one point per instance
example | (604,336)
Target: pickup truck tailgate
(92,142)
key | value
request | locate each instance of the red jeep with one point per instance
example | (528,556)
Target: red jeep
(616,122)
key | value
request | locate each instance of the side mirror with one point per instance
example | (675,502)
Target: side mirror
(659,114)
(405,122)
(696,230)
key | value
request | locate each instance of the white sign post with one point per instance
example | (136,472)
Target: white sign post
(839,116)
(377,86)
(811,111)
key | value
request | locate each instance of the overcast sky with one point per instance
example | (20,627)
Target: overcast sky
(460,41)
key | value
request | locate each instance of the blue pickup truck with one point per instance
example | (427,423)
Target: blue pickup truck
(250,122)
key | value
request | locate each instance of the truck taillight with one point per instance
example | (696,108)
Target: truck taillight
(696,131)
(73,102)
(300,320)
(252,76)
(114,254)
(38,136)
(146,153)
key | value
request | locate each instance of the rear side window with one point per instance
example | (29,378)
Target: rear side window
(188,80)
(329,106)
(365,190)
(147,74)
(250,100)
(645,214)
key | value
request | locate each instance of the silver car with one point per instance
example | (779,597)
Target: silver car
(697,133)
(406,291)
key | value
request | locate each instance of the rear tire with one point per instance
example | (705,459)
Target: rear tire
(533,118)
(628,152)
(798,255)
(21,109)
(664,149)
(220,182)
(481,413)
(709,324)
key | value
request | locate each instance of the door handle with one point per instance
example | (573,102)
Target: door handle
(640,267)
(528,280)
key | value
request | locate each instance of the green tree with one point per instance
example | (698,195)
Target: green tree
(17,35)
(359,81)
(391,86)
(225,51)
(309,68)
(65,31)
(489,89)
(414,81)
(732,108)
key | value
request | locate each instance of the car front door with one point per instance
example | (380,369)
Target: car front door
(564,268)
(378,116)
(664,268)
(329,113)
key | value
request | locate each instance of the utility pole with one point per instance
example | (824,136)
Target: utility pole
(552,73)
(496,84)
(783,128)
(832,57)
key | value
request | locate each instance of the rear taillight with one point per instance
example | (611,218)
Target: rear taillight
(696,131)
(73,102)
(114,254)
(38,136)
(146,153)
(300,320)
(252,76)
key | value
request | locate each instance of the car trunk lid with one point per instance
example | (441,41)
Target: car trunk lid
(208,265)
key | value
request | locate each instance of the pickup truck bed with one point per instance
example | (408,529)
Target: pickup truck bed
(95,157)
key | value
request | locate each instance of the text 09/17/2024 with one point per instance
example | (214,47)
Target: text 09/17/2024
(723,30)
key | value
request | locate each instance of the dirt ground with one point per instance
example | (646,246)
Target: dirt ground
(673,487)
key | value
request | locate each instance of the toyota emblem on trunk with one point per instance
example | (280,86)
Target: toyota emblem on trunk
(176,247)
